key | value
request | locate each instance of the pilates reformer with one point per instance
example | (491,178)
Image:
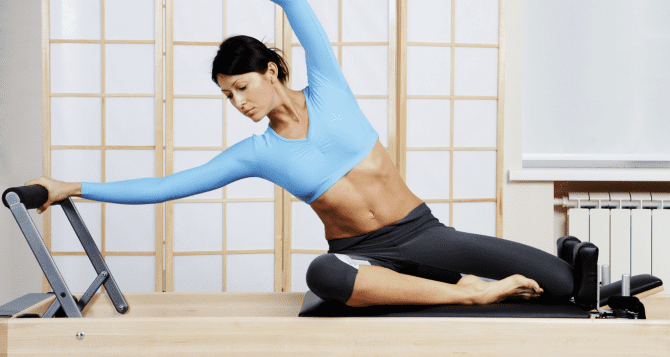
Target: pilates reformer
(594,298)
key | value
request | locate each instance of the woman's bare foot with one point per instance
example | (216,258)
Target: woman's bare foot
(496,291)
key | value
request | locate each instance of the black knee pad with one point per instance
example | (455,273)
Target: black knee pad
(332,276)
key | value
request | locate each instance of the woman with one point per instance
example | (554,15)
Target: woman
(385,245)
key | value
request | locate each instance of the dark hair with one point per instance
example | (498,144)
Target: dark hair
(243,54)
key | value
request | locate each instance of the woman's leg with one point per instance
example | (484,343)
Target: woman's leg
(356,281)
(436,245)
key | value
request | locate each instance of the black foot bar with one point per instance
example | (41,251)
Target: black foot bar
(19,200)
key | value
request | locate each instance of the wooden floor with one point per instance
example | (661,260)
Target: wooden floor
(266,324)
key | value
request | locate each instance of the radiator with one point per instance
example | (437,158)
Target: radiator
(630,229)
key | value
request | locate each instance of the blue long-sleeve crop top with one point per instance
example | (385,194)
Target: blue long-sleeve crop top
(339,137)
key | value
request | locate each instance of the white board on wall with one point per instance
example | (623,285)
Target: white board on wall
(595,83)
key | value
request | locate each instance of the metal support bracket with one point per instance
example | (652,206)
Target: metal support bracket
(64,298)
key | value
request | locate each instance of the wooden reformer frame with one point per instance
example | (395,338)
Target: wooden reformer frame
(170,323)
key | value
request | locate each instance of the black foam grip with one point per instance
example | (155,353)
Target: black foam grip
(33,196)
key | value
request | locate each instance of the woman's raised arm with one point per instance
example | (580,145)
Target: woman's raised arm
(322,65)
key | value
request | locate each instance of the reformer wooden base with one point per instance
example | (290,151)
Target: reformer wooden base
(266,324)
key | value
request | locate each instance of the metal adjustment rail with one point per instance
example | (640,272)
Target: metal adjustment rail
(19,200)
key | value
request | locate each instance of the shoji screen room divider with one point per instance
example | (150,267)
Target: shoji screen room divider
(128,94)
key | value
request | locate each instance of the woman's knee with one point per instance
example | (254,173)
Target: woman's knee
(331,278)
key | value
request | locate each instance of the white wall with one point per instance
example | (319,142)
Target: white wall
(527,207)
(20,137)
(597,77)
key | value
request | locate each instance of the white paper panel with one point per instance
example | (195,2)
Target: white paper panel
(440,211)
(75,68)
(429,70)
(130,164)
(475,174)
(238,15)
(133,274)
(251,187)
(250,225)
(75,19)
(240,127)
(475,123)
(475,217)
(129,68)
(428,174)
(578,223)
(365,21)
(129,20)
(63,237)
(77,271)
(428,122)
(476,71)
(477,21)
(377,113)
(76,165)
(308,230)
(198,20)
(660,244)
(198,122)
(640,244)
(299,68)
(185,160)
(366,69)
(250,273)
(620,243)
(198,273)
(76,121)
(193,70)
(327,12)
(599,233)
(429,21)
(130,121)
(198,227)
(299,264)
(130,228)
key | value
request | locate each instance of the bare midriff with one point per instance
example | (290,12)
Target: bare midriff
(370,196)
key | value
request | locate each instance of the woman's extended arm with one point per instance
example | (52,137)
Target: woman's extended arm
(322,65)
(235,163)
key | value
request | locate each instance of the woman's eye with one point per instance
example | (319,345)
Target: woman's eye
(240,89)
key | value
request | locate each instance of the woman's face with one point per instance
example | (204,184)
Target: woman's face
(251,93)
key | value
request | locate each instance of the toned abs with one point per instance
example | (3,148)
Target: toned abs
(370,196)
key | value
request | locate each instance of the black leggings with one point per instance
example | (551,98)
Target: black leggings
(420,245)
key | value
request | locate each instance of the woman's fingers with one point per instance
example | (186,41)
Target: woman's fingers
(52,187)
(35,181)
